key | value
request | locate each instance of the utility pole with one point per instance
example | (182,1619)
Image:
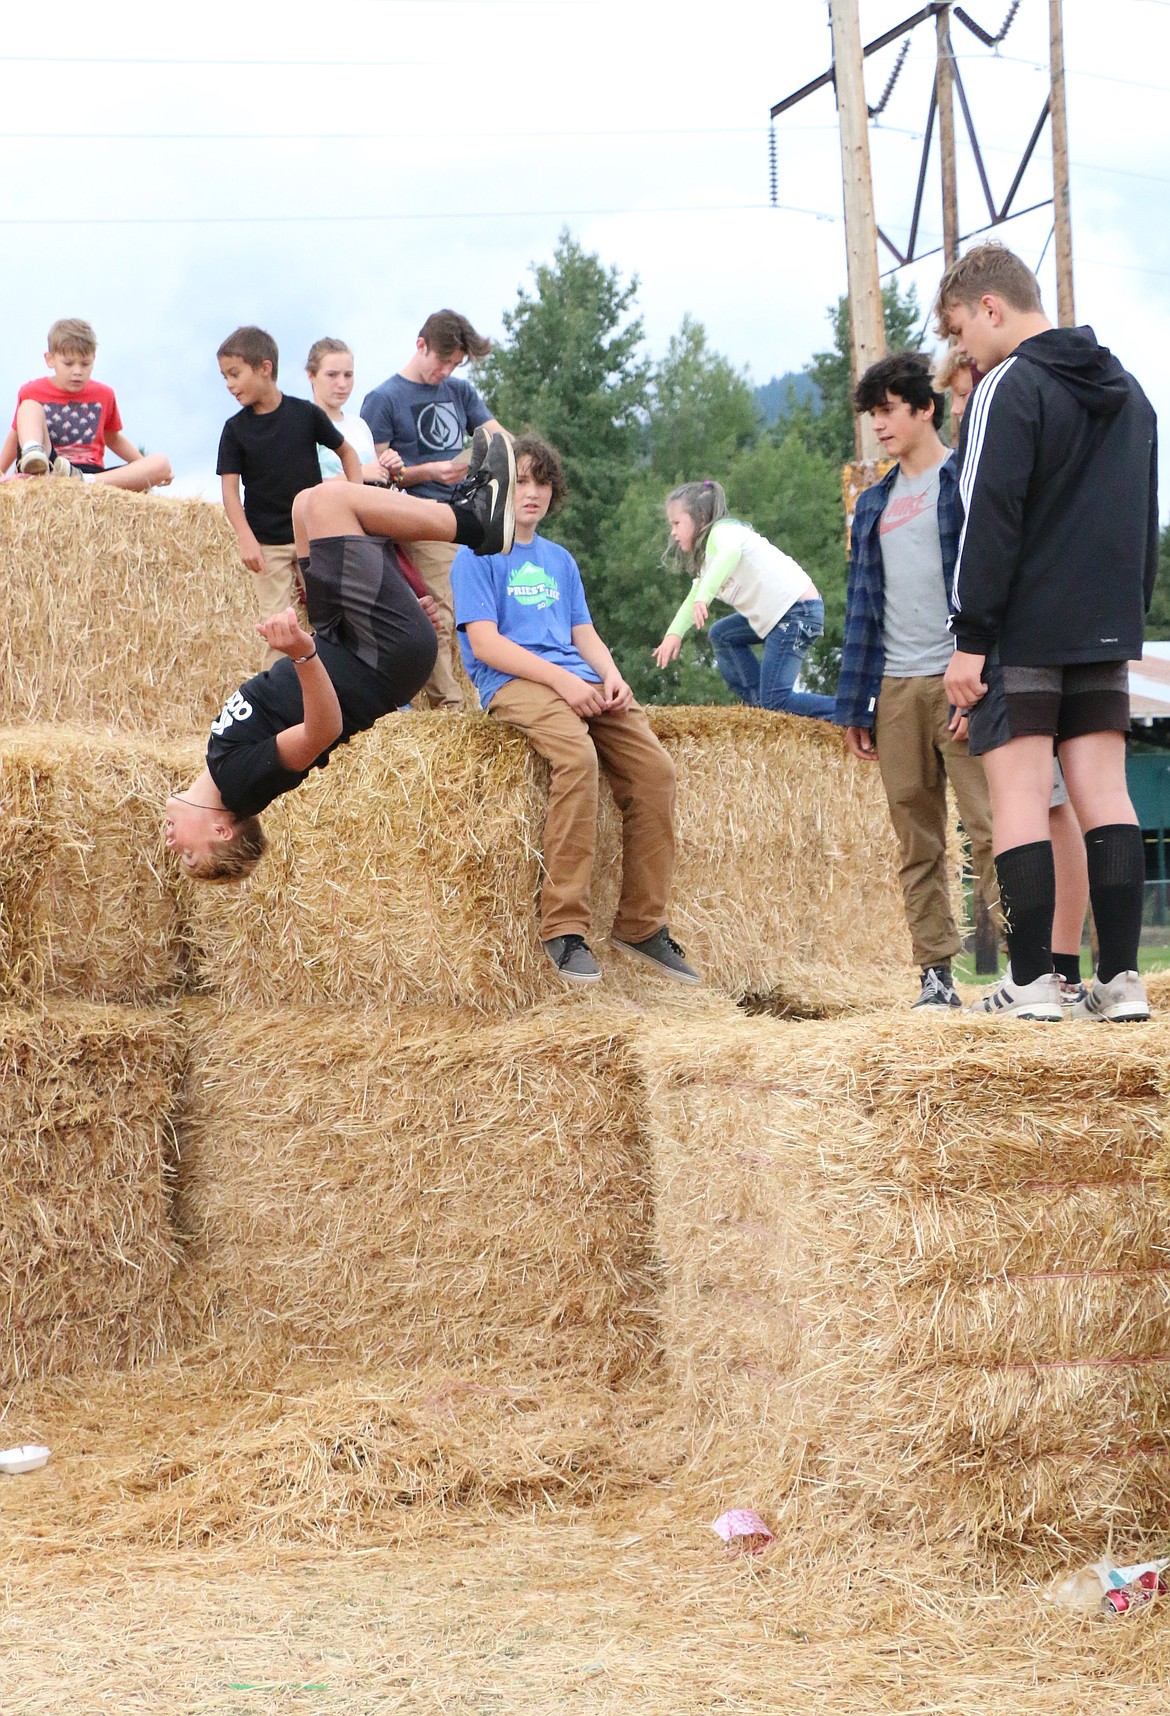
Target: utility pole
(1061,216)
(865,288)
(944,88)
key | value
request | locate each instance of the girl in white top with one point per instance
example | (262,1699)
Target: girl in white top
(777,604)
(329,367)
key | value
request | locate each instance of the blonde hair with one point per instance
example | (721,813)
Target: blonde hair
(235,858)
(704,504)
(71,334)
(948,366)
(988,268)
(324,348)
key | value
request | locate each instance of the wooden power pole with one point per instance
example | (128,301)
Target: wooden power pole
(944,94)
(1061,215)
(865,288)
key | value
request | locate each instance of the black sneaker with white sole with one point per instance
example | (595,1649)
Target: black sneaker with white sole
(490,497)
(938,989)
(663,952)
(573,959)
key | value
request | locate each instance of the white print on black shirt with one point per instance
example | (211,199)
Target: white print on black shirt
(237,708)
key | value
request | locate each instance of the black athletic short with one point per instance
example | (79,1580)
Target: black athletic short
(1066,702)
(359,602)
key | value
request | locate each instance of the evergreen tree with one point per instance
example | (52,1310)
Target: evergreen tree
(702,411)
(570,368)
(830,430)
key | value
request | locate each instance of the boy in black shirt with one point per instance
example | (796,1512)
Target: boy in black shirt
(271,445)
(373,648)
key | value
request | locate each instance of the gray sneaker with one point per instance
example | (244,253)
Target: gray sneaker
(1120,1001)
(62,468)
(573,959)
(34,460)
(1037,1000)
(938,989)
(663,952)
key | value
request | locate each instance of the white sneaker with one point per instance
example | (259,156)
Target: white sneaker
(34,461)
(1120,1001)
(1038,1000)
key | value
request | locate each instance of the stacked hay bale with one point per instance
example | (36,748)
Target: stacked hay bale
(917,1272)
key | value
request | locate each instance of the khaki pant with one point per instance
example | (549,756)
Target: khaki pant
(917,757)
(279,588)
(641,778)
(433,560)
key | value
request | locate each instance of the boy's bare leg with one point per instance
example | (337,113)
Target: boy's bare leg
(351,509)
(139,474)
(1072,879)
(1094,773)
(1019,779)
(32,425)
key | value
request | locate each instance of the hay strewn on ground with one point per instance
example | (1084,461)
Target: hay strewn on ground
(406,873)
(121,610)
(357,1190)
(926,1273)
(87,1097)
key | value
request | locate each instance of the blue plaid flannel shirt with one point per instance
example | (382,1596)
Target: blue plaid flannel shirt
(862,656)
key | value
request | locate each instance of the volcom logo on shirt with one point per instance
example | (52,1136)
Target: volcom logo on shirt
(237,708)
(532,586)
(438,428)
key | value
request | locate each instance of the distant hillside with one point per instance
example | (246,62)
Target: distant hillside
(774,397)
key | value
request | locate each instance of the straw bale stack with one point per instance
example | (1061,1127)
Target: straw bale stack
(87,1097)
(90,907)
(920,1269)
(361,1189)
(120,610)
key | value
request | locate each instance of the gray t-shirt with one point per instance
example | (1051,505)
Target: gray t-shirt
(914,631)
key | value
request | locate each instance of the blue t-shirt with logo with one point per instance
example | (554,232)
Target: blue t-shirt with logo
(534,595)
(424,422)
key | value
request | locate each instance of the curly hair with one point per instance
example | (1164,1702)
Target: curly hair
(907,376)
(235,858)
(545,464)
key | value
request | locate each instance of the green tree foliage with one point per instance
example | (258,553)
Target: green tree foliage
(1158,621)
(571,368)
(702,412)
(831,429)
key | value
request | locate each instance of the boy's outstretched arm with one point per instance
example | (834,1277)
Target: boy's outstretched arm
(350,463)
(250,551)
(488,646)
(299,747)
(8,450)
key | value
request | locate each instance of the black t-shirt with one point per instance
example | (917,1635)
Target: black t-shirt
(241,748)
(274,453)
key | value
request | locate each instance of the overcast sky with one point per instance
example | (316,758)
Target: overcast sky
(345,169)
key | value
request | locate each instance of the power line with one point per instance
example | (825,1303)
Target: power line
(274,65)
(1039,65)
(423,214)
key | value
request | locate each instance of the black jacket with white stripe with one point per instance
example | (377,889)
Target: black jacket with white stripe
(1059,490)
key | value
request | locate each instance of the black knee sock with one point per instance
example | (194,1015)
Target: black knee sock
(468,529)
(1068,966)
(1027,896)
(1117,879)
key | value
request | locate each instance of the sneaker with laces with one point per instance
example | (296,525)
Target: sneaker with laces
(480,442)
(490,496)
(573,959)
(1037,1000)
(34,460)
(62,468)
(1121,1001)
(938,989)
(1070,992)
(663,952)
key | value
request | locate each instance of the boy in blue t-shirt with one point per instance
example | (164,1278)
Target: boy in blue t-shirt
(531,650)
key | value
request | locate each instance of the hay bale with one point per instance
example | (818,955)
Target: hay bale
(121,610)
(361,1189)
(925,1278)
(407,872)
(87,1097)
(91,909)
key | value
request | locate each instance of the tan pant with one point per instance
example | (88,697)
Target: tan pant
(917,757)
(433,559)
(277,589)
(641,778)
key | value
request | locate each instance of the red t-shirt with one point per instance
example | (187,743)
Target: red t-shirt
(78,422)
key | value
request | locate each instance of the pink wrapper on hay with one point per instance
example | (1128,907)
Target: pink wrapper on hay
(742,1528)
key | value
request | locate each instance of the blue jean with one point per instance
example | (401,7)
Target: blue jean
(767,683)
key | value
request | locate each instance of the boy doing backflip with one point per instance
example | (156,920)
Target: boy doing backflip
(371,649)
(65,422)
(531,650)
(1054,573)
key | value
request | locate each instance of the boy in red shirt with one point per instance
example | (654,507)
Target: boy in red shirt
(65,422)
